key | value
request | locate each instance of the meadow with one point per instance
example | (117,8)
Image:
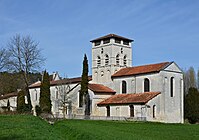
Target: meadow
(30,127)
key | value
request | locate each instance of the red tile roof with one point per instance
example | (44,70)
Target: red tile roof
(59,82)
(122,99)
(6,96)
(98,88)
(111,36)
(141,69)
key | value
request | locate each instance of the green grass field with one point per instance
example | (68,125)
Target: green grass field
(30,127)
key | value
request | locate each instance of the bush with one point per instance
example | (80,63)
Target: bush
(21,102)
(38,110)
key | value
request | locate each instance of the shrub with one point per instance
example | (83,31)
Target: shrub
(38,110)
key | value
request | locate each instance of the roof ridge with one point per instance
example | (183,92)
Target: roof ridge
(109,36)
(150,64)
(137,98)
(142,69)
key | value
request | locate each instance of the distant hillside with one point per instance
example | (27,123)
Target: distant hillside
(10,82)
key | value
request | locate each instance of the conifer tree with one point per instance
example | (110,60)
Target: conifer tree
(8,105)
(21,101)
(192,105)
(45,102)
(198,79)
(84,87)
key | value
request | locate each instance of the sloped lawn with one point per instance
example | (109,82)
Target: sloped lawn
(25,127)
(30,127)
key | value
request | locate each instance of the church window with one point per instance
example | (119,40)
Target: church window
(98,61)
(117,60)
(97,43)
(102,51)
(106,59)
(121,50)
(35,95)
(102,73)
(131,111)
(125,42)
(154,111)
(108,111)
(124,87)
(125,60)
(106,41)
(56,95)
(117,40)
(172,86)
(146,85)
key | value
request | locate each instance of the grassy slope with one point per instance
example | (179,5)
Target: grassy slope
(126,130)
(29,127)
(25,127)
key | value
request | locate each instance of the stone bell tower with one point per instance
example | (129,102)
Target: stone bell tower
(109,54)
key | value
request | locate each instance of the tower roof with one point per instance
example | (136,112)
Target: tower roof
(111,36)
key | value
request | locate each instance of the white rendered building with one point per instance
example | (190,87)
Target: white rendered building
(151,92)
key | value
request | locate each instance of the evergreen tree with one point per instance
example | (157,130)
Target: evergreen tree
(198,79)
(84,87)
(8,105)
(21,102)
(45,102)
(192,105)
(192,77)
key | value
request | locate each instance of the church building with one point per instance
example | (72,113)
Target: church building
(152,92)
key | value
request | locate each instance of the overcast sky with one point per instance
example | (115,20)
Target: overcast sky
(163,30)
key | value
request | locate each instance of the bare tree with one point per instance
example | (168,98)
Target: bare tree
(192,76)
(190,79)
(64,100)
(4,56)
(25,57)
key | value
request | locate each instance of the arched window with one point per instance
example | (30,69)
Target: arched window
(106,59)
(131,111)
(172,86)
(56,94)
(121,50)
(98,61)
(146,85)
(154,111)
(35,95)
(124,86)
(102,73)
(117,59)
(102,51)
(108,111)
(125,60)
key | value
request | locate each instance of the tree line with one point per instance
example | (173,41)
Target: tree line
(13,81)
(21,56)
(191,91)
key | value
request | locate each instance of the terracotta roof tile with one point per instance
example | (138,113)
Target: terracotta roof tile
(111,36)
(62,81)
(6,96)
(98,88)
(141,69)
(137,98)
